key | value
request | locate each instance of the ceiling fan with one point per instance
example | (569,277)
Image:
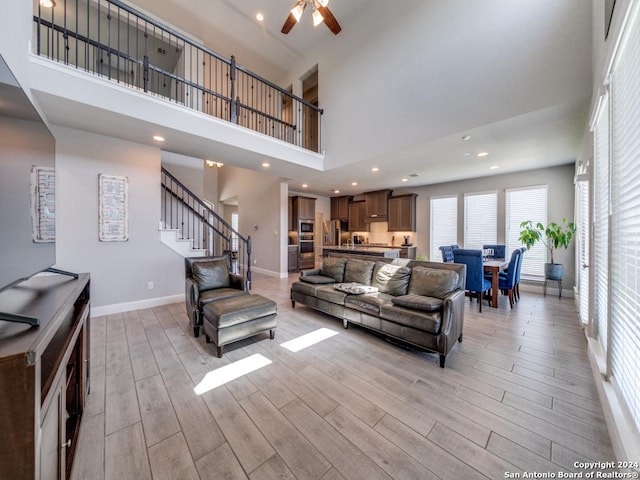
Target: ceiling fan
(321,13)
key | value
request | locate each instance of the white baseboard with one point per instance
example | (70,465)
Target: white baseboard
(270,273)
(552,291)
(137,305)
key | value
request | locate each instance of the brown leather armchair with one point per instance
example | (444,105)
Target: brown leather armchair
(208,279)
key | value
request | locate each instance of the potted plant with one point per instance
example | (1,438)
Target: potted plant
(553,236)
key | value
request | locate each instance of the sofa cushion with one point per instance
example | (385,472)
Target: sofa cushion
(333,267)
(391,279)
(432,282)
(418,302)
(330,294)
(355,288)
(358,271)
(420,320)
(317,279)
(369,303)
(309,289)
(211,274)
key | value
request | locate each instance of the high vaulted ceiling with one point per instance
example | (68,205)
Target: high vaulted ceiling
(406,80)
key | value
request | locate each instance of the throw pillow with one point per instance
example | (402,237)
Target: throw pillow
(418,302)
(355,288)
(211,274)
(358,271)
(391,279)
(432,282)
(333,267)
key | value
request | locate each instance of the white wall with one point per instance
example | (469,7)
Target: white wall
(560,203)
(119,271)
(388,65)
(15,37)
(260,201)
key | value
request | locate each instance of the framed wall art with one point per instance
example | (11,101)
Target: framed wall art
(113,198)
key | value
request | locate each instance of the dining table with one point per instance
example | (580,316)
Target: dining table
(495,266)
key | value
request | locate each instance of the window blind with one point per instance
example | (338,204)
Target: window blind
(480,219)
(234,236)
(625,219)
(582,191)
(529,203)
(444,224)
(601,222)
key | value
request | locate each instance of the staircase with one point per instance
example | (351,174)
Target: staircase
(189,226)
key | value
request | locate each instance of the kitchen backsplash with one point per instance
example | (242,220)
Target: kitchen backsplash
(378,234)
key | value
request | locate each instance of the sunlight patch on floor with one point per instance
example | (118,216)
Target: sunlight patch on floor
(311,338)
(226,374)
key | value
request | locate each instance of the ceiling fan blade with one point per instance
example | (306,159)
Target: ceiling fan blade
(288,24)
(329,20)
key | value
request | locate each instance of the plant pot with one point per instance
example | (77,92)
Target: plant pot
(553,271)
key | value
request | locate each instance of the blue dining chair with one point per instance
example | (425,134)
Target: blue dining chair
(505,272)
(476,284)
(518,270)
(506,283)
(447,252)
(498,250)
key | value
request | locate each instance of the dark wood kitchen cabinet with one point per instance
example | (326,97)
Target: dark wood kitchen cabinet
(304,208)
(402,213)
(356,217)
(376,207)
(340,208)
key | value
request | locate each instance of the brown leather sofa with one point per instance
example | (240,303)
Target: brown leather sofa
(208,279)
(418,303)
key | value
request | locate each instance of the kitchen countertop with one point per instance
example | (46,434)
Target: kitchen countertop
(390,252)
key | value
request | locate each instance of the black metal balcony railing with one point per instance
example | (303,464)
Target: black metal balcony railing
(113,40)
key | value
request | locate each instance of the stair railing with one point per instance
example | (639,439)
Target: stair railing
(116,41)
(196,221)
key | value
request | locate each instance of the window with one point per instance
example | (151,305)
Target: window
(582,241)
(526,204)
(444,224)
(480,219)
(234,235)
(624,235)
(601,222)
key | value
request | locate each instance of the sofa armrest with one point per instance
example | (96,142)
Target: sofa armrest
(239,282)
(313,271)
(452,319)
(192,296)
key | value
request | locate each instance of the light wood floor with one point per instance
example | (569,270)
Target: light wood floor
(517,395)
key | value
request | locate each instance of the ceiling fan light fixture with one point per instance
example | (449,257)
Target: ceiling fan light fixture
(297,10)
(317,18)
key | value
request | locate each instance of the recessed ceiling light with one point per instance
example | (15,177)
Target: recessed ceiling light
(354,184)
(405,179)
(467,154)
(259,16)
(375,169)
(494,167)
(483,154)
(304,185)
(158,138)
(266,164)
(466,137)
(336,191)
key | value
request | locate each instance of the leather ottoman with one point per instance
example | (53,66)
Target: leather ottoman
(232,319)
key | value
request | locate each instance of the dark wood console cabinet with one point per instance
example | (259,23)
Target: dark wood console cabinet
(44,375)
